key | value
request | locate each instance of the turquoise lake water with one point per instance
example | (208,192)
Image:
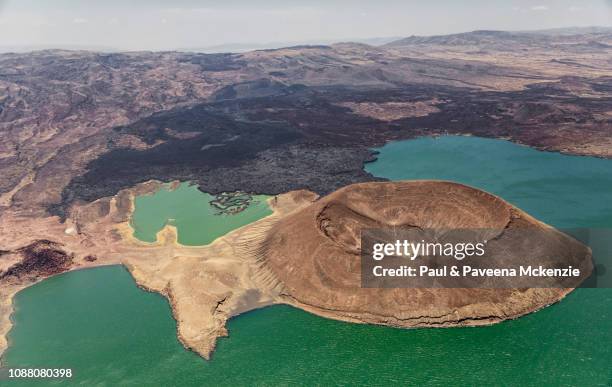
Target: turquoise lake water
(109,331)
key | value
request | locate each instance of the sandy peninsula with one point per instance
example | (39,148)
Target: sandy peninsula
(205,285)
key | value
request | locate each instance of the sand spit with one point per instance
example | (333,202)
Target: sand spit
(252,266)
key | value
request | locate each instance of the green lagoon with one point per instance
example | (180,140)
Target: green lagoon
(190,211)
(111,332)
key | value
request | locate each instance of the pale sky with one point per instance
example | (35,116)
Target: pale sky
(166,25)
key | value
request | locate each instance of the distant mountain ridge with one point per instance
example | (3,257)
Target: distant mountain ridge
(496,37)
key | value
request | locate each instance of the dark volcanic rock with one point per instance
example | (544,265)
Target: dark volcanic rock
(266,137)
(40,258)
(82,125)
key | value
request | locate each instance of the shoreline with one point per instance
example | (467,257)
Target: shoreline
(174,271)
(6,324)
(143,260)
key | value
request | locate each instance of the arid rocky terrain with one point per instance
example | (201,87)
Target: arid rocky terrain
(81,131)
(78,126)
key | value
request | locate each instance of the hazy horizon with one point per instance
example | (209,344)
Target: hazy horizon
(238,25)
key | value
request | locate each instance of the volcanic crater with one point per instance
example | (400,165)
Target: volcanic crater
(315,254)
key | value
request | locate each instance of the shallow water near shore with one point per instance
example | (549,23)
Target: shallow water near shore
(109,331)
